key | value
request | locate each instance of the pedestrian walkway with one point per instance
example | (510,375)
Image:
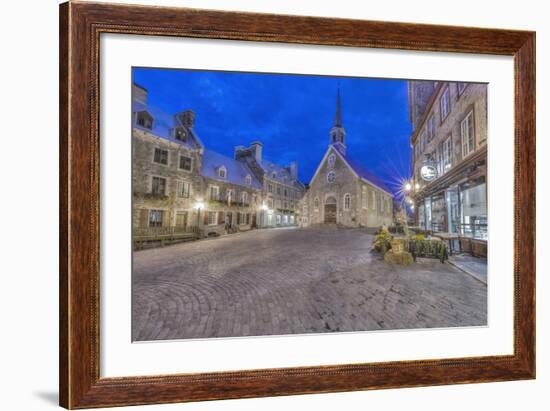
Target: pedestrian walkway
(475,266)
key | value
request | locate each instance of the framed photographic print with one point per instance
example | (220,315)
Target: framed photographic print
(257,205)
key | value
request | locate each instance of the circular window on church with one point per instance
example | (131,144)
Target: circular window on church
(331,160)
(331,177)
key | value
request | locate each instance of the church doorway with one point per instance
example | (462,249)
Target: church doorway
(330,210)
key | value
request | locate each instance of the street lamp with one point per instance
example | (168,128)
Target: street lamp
(408,187)
(198,206)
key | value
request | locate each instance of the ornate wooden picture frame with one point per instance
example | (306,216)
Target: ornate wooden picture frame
(81,25)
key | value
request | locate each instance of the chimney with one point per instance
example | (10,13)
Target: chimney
(256,149)
(294,170)
(187,118)
(239,152)
(139,94)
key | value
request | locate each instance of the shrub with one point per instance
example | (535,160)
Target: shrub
(382,241)
(428,248)
(402,258)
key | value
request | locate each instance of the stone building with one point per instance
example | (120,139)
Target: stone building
(182,190)
(449,151)
(282,190)
(344,192)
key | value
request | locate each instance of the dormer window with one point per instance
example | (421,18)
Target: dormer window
(222,172)
(248,180)
(144,119)
(180,134)
(274,175)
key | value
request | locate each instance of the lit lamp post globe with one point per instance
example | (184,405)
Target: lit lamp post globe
(198,206)
(408,187)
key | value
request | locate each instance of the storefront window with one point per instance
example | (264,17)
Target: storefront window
(474,212)
(428,213)
(421,219)
(453,211)
(438,214)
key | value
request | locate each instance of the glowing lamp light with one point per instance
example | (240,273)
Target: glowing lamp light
(417,186)
(199,204)
(408,187)
(263,207)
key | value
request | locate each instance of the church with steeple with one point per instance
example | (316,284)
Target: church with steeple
(342,191)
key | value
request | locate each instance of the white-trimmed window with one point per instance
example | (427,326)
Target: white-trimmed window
(248,180)
(212,218)
(331,161)
(461,87)
(467,134)
(364,197)
(214,193)
(445,104)
(331,177)
(222,172)
(447,154)
(244,197)
(373,199)
(316,204)
(269,203)
(229,195)
(184,189)
(160,156)
(269,187)
(185,163)
(347,201)
(155,218)
(274,175)
(431,127)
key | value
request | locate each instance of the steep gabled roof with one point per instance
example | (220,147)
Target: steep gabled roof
(365,173)
(359,170)
(236,170)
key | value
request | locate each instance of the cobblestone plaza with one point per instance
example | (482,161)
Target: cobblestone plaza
(294,281)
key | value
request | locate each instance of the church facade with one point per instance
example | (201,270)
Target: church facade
(342,191)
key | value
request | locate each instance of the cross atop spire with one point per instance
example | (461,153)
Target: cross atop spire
(338,117)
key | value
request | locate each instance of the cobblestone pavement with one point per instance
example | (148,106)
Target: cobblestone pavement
(293,281)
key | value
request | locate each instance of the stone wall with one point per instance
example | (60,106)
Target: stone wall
(345,183)
(474,97)
(144,169)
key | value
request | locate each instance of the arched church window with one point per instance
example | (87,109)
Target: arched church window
(347,201)
(331,177)
(331,160)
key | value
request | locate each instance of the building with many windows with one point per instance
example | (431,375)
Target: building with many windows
(344,192)
(449,150)
(181,189)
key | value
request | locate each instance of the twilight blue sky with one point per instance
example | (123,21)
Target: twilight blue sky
(291,115)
